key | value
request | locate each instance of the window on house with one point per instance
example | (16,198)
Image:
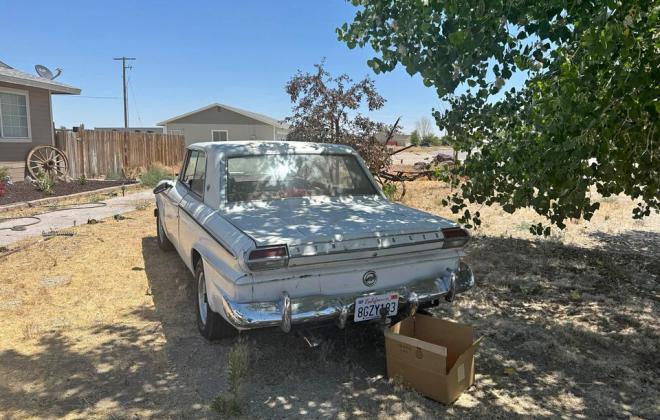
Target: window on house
(14,115)
(219,135)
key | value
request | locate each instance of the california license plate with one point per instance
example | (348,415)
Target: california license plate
(369,307)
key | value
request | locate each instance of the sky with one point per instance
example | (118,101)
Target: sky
(191,54)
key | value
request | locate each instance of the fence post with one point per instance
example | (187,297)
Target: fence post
(125,168)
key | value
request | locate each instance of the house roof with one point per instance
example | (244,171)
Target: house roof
(259,117)
(17,77)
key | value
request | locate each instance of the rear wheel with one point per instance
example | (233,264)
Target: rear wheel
(163,242)
(211,324)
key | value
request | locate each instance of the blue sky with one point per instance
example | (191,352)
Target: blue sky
(190,54)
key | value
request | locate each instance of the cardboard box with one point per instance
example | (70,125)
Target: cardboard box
(432,355)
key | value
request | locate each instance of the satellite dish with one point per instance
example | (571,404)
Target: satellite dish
(44,72)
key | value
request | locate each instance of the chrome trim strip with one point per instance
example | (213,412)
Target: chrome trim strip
(291,311)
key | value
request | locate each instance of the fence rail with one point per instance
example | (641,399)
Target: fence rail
(111,153)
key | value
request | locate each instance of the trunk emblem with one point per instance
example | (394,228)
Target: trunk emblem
(369,278)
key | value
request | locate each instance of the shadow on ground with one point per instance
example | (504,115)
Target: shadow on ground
(568,331)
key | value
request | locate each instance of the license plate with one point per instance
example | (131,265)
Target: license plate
(368,307)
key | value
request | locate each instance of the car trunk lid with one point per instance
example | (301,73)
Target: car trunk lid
(317,226)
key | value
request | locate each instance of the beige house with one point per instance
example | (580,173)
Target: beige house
(26,116)
(218,122)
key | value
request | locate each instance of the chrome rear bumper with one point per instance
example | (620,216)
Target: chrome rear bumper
(287,311)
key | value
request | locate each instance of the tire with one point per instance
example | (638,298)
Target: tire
(211,324)
(163,242)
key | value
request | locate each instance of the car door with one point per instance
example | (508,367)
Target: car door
(191,207)
(172,198)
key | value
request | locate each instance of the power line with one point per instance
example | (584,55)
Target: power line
(123,77)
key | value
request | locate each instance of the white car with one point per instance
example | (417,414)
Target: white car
(291,233)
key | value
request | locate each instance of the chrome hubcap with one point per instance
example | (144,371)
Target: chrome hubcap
(201,297)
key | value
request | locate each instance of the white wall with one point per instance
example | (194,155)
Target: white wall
(195,133)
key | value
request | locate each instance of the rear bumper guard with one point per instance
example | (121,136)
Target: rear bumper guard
(288,311)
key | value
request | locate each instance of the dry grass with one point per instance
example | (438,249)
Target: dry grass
(614,217)
(101,325)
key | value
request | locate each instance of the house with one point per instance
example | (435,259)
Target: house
(26,116)
(398,139)
(218,122)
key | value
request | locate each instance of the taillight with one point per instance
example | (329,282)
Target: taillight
(268,258)
(455,237)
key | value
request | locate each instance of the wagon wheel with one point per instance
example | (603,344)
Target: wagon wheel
(48,160)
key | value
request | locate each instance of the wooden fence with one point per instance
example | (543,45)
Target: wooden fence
(112,153)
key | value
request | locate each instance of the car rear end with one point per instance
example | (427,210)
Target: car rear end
(291,285)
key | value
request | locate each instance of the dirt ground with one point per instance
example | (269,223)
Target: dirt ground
(413,155)
(25,191)
(101,325)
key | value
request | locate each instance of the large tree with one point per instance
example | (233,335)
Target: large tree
(584,117)
(424,127)
(326,109)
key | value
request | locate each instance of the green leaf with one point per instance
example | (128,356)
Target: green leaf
(586,112)
(457,38)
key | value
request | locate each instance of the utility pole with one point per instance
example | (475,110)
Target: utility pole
(123,75)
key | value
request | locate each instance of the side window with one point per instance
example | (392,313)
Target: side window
(189,171)
(199,180)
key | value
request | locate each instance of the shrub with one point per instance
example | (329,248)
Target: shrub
(414,138)
(154,175)
(44,183)
(431,140)
(82,180)
(389,190)
(229,403)
(4,177)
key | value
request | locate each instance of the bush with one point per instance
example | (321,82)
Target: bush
(390,191)
(431,140)
(44,183)
(154,175)
(414,138)
(230,402)
(4,177)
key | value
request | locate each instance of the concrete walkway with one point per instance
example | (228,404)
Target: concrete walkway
(67,218)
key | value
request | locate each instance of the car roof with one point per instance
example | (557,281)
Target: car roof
(255,147)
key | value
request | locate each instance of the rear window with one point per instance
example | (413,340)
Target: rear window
(273,177)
